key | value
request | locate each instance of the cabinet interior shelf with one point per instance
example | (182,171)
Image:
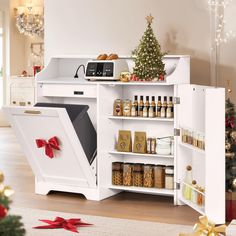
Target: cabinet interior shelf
(191,147)
(141,118)
(194,206)
(190,186)
(140,154)
(166,192)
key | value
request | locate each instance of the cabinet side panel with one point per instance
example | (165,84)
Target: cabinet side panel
(215,154)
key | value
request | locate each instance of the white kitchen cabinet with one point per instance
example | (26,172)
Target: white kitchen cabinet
(197,107)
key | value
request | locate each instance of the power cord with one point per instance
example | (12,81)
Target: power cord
(76,73)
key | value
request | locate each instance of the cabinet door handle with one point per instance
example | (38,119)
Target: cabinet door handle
(78,92)
(32,112)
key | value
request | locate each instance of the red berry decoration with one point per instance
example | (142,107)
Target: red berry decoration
(3,211)
(161,78)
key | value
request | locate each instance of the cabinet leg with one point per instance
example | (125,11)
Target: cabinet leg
(41,188)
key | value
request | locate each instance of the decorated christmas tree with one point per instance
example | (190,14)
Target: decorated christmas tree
(148,61)
(10,225)
(230,146)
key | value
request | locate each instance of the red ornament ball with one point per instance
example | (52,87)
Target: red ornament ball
(3,211)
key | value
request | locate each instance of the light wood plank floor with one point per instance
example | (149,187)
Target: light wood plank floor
(124,205)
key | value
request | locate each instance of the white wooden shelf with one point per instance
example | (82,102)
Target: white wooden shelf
(191,147)
(161,191)
(140,154)
(140,118)
(138,83)
(197,208)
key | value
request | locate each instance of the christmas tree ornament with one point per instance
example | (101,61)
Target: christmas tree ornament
(1,177)
(234,185)
(148,55)
(233,135)
(3,211)
(8,191)
(229,155)
(227,146)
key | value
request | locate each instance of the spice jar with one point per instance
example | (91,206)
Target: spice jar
(190,137)
(169,181)
(117,173)
(200,197)
(128,174)
(159,176)
(148,176)
(118,107)
(184,136)
(127,107)
(138,175)
(195,139)
(201,142)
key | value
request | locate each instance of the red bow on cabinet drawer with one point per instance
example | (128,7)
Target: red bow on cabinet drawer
(49,145)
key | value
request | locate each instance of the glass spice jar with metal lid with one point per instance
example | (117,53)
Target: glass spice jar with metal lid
(128,174)
(159,176)
(169,177)
(148,176)
(117,173)
(138,175)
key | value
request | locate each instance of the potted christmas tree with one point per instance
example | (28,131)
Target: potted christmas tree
(149,64)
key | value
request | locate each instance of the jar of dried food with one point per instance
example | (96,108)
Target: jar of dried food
(148,176)
(184,136)
(138,175)
(127,107)
(200,197)
(118,107)
(117,173)
(169,181)
(128,174)
(159,176)
(201,141)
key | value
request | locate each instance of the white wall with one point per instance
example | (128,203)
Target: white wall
(93,27)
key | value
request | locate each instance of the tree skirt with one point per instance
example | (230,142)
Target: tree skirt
(102,226)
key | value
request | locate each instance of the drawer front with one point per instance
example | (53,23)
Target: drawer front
(55,90)
(22,96)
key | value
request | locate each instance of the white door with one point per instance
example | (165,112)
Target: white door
(70,165)
(201,115)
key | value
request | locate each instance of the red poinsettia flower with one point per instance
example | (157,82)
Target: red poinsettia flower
(3,211)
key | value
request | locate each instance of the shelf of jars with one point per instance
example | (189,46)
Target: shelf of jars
(194,197)
(140,118)
(145,178)
(193,140)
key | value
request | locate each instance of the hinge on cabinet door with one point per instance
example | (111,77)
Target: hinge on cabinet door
(177,186)
(176,100)
(176,132)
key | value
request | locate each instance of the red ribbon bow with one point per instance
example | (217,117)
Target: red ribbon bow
(59,222)
(49,145)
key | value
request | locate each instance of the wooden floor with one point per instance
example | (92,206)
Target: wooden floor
(124,205)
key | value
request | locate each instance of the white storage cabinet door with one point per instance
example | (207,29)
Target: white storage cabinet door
(69,165)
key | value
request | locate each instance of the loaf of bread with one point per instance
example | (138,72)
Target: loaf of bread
(102,57)
(112,57)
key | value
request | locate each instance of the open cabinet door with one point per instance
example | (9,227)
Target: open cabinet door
(70,166)
(201,145)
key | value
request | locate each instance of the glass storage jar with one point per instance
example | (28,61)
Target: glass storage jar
(118,107)
(138,175)
(127,107)
(148,176)
(159,176)
(128,174)
(169,181)
(117,173)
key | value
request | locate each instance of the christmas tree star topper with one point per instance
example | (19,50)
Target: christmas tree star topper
(149,19)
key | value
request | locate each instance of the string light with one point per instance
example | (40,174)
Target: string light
(221,35)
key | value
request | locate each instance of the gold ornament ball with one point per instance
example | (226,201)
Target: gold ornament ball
(233,135)
(227,146)
(1,177)
(234,184)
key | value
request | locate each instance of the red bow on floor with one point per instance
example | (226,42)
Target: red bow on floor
(59,222)
(49,145)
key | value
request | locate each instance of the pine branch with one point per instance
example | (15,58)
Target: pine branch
(11,226)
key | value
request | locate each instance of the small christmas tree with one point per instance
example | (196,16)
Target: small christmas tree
(230,146)
(148,61)
(10,225)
